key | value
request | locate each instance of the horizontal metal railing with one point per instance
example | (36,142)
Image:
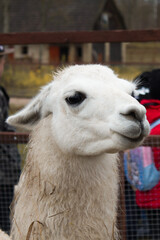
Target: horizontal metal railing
(13,137)
(80,37)
(18,137)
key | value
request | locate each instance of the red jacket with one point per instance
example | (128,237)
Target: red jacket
(151,198)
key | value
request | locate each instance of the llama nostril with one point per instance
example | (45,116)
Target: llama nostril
(132,117)
(134,113)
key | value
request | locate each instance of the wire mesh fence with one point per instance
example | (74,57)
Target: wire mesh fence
(135,221)
(12,157)
(142,208)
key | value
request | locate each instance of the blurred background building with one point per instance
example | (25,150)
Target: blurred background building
(62,15)
(84,15)
(74,15)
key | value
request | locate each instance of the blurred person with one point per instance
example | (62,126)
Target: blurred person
(149,97)
(134,221)
(9,156)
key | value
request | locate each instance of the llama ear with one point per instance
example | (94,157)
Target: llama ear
(29,116)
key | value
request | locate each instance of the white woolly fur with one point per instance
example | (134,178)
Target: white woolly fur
(4,236)
(68,189)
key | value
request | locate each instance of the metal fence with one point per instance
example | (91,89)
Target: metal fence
(12,157)
(139,218)
(134,222)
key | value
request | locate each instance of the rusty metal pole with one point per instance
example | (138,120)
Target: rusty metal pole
(121,217)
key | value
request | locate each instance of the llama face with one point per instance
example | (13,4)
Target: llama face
(93,111)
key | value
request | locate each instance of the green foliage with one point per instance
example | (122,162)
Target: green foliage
(25,80)
(130,72)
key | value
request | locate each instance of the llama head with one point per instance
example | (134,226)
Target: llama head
(92,110)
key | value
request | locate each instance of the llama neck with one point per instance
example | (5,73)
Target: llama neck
(70,170)
(78,183)
(83,190)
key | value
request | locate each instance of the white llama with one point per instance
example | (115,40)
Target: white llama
(4,236)
(68,189)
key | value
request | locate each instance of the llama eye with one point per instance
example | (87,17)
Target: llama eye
(76,99)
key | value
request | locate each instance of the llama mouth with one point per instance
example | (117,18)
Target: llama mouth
(132,133)
(129,139)
(136,138)
(133,140)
